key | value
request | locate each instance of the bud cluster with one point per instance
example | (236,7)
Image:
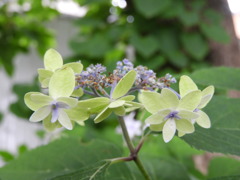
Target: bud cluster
(94,77)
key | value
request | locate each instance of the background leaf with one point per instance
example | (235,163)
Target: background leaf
(220,77)
(224,134)
(61,157)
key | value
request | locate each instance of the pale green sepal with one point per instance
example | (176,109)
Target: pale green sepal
(154,119)
(64,120)
(81,123)
(181,134)
(72,102)
(207,95)
(75,66)
(156,127)
(49,126)
(30,103)
(169,98)
(52,60)
(190,101)
(95,105)
(77,93)
(41,99)
(124,85)
(151,101)
(103,115)
(185,114)
(203,120)
(120,111)
(127,98)
(185,126)
(45,83)
(116,103)
(62,83)
(186,85)
(169,130)
(44,74)
(131,106)
(40,114)
(78,113)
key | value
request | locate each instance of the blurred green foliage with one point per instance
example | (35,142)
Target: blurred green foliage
(21,27)
(166,35)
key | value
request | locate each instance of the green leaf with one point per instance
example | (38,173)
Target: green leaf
(163,168)
(223,166)
(1,117)
(62,83)
(220,77)
(226,178)
(195,45)
(189,18)
(52,60)
(124,85)
(55,160)
(215,140)
(6,156)
(215,32)
(151,8)
(178,58)
(94,172)
(146,46)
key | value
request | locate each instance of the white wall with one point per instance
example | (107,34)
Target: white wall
(13,130)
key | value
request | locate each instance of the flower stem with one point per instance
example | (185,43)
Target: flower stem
(141,168)
(133,151)
(126,135)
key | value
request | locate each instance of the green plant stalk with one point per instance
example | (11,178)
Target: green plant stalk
(134,153)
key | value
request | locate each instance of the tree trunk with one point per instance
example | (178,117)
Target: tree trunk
(226,54)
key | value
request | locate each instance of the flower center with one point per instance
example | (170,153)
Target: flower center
(172,115)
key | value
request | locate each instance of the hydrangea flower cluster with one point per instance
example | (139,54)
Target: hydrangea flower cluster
(171,112)
(66,83)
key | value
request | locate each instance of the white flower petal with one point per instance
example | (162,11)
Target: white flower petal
(169,130)
(185,126)
(203,120)
(185,114)
(64,120)
(40,114)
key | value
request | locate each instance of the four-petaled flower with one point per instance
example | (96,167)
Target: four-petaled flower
(52,62)
(58,108)
(169,113)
